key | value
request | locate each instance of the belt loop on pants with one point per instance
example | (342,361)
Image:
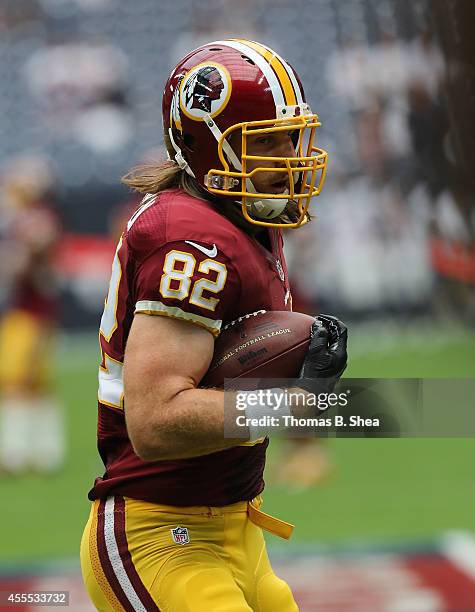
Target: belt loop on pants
(268,522)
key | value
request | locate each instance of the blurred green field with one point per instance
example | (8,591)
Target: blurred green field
(381,489)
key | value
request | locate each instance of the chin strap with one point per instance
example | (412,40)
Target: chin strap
(214,129)
(180,160)
(263,209)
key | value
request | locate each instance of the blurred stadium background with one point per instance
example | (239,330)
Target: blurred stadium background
(392,526)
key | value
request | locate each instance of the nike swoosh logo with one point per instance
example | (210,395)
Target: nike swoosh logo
(210,252)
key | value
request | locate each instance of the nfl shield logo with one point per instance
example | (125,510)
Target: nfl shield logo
(180,535)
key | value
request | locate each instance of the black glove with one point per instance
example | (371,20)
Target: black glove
(326,358)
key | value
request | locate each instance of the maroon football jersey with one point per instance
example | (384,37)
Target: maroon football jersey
(180,257)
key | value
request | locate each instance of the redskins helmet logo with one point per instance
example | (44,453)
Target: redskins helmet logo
(205,87)
(205,90)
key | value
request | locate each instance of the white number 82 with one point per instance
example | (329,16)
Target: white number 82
(179,266)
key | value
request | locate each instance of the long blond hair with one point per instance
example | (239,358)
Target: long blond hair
(155,177)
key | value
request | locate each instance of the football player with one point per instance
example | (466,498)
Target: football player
(31,423)
(175,522)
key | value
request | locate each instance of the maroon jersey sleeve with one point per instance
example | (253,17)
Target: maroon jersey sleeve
(185,279)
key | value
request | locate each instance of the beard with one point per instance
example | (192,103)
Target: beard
(291,213)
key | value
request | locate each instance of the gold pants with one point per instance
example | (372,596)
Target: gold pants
(137,555)
(25,353)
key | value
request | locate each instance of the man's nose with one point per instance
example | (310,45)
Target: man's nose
(285,149)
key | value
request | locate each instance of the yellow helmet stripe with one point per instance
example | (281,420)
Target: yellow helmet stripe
(260,61)
(277,66)
(291,73)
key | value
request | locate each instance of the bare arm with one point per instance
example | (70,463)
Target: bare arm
(167,416)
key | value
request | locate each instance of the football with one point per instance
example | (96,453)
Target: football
(263,344)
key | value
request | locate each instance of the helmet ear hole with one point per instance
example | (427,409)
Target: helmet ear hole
(189,141)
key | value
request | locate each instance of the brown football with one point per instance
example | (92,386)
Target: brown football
(263,344)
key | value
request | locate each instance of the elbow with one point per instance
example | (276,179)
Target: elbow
(149,448)
(144,430)
(152,429)
(146,452)
(153,432)
(149,445)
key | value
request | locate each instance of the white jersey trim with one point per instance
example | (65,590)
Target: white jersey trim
(158,308)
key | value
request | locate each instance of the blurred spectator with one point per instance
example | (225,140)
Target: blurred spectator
(217,20)
(81,86)
(428,125)
(31,428)
(369,253)
(371,249)
(53,6)
(13,14)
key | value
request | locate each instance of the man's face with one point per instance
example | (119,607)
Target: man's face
(274,144)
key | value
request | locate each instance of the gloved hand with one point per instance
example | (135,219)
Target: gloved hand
(326,358)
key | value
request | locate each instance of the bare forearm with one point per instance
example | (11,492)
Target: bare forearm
(192,423)
(198,422)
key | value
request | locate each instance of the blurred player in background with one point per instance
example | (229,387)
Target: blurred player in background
(301,464)
(176,522)
(31,428)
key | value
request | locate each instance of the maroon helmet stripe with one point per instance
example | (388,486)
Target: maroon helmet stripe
(105,561)
(122,545)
